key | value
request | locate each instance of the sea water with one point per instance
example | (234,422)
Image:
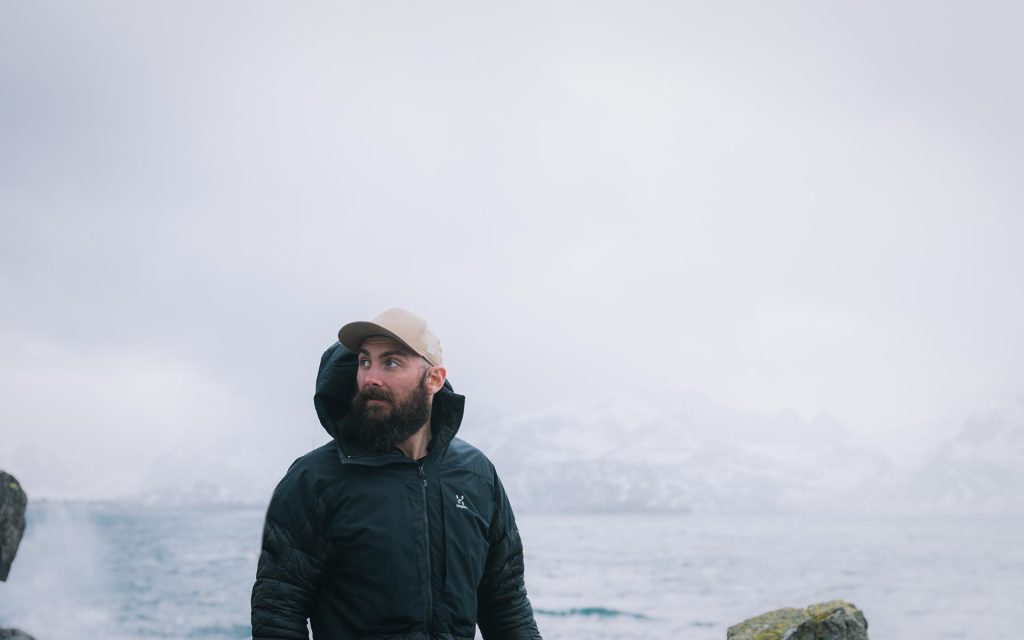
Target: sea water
(120,571)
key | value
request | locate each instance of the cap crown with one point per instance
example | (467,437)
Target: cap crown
(398,324)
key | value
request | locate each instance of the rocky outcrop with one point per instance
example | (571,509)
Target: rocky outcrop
(12,521)
(834,620)
(12,525)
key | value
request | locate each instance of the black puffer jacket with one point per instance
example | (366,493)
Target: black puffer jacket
(381,546)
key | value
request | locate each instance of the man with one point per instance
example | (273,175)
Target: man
(395,528)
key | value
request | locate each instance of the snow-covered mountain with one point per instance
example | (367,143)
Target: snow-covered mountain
(628,453)
(978,470)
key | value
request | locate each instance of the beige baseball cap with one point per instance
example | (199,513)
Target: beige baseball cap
(398,324)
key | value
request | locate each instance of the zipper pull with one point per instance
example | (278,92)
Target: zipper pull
(423,476)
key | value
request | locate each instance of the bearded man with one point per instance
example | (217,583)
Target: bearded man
(395,528)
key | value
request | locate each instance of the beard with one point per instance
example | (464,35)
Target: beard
(378,429)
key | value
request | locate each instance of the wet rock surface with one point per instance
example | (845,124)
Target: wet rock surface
(12,521)
(12,525)
(834,620)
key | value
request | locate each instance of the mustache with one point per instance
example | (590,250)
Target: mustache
(374,393)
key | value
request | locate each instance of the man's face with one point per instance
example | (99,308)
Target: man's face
(388,375)
(393,400)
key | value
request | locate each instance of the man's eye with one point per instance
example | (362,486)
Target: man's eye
(391,363)
(364,363)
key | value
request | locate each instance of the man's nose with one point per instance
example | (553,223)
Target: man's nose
(372,376)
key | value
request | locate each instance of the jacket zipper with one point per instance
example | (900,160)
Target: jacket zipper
(426,532)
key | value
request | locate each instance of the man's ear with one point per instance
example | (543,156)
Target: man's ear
(435,379)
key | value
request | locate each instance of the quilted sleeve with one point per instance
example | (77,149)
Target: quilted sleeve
(504,611)
(292,560)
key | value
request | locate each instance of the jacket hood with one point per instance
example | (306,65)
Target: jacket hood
(336,387)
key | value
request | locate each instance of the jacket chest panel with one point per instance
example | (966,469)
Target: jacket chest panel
(467,502)
(386,526)
(378,509)
(467,506)
(379,538)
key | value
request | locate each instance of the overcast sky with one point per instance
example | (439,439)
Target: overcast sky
(807,206)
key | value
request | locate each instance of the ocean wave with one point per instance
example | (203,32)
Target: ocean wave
(591,612)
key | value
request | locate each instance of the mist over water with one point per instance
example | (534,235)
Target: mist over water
(124,572)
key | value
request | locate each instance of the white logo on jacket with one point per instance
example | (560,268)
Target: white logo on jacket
(460,502)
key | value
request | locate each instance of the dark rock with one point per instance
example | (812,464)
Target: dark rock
(14,634)
(835,620)
(12,521)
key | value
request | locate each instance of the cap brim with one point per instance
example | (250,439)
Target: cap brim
(351,336)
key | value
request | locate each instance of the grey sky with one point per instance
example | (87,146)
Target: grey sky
(803,206)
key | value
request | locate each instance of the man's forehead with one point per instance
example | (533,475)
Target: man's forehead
(384,344)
